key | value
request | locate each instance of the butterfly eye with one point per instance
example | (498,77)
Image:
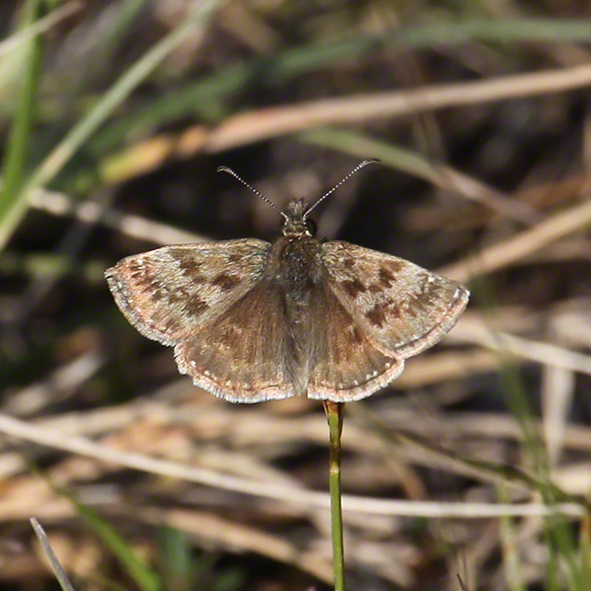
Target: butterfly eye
(311,227)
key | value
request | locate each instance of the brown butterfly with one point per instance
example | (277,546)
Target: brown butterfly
(252,321)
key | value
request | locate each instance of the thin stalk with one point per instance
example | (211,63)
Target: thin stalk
(334,414)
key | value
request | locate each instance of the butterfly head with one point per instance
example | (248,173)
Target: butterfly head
(295,221)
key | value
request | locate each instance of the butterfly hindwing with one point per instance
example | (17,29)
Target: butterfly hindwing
(344,364)
(247,353)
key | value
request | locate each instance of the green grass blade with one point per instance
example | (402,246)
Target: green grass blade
(138,570)
(11,197)
(585,558)
(558,533)
(360,145)
(145,578)
(176,557)
(510,548)
(62,153)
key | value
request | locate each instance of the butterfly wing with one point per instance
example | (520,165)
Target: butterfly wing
(403,308)
(247,354)
(168,292)
(344,364)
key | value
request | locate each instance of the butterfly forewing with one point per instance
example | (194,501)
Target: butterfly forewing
(168,292)
(344,364)
(402,307)
(246,354)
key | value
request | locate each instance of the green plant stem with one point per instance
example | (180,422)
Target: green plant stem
(334,414)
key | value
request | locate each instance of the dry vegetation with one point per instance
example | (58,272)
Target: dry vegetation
(113,124)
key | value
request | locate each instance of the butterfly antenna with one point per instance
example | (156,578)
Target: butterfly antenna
(255,191)
(356,169)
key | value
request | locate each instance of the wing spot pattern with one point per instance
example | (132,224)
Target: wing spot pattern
(225,281)
(179,295)
(376,316)
(394,311)
(191,267)
(195,306)
(410,310)
(386,277)
(159,294)
(353,287)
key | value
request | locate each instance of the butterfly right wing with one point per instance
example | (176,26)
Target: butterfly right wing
(168,292)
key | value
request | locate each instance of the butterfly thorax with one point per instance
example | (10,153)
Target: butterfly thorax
(296,266)
(295,255)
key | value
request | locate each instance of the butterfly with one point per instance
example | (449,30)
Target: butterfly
(252,321)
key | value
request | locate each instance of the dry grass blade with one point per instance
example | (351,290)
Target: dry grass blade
(478,333)
(462,584)
(297,496)
(56,567)
(521,245)
(64,380)
(264,124)
(442,176)
(135,226)
(233,535)
(255,126)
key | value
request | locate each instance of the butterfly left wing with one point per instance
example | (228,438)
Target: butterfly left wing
(403,308)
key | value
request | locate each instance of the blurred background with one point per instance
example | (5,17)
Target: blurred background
(114,116)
